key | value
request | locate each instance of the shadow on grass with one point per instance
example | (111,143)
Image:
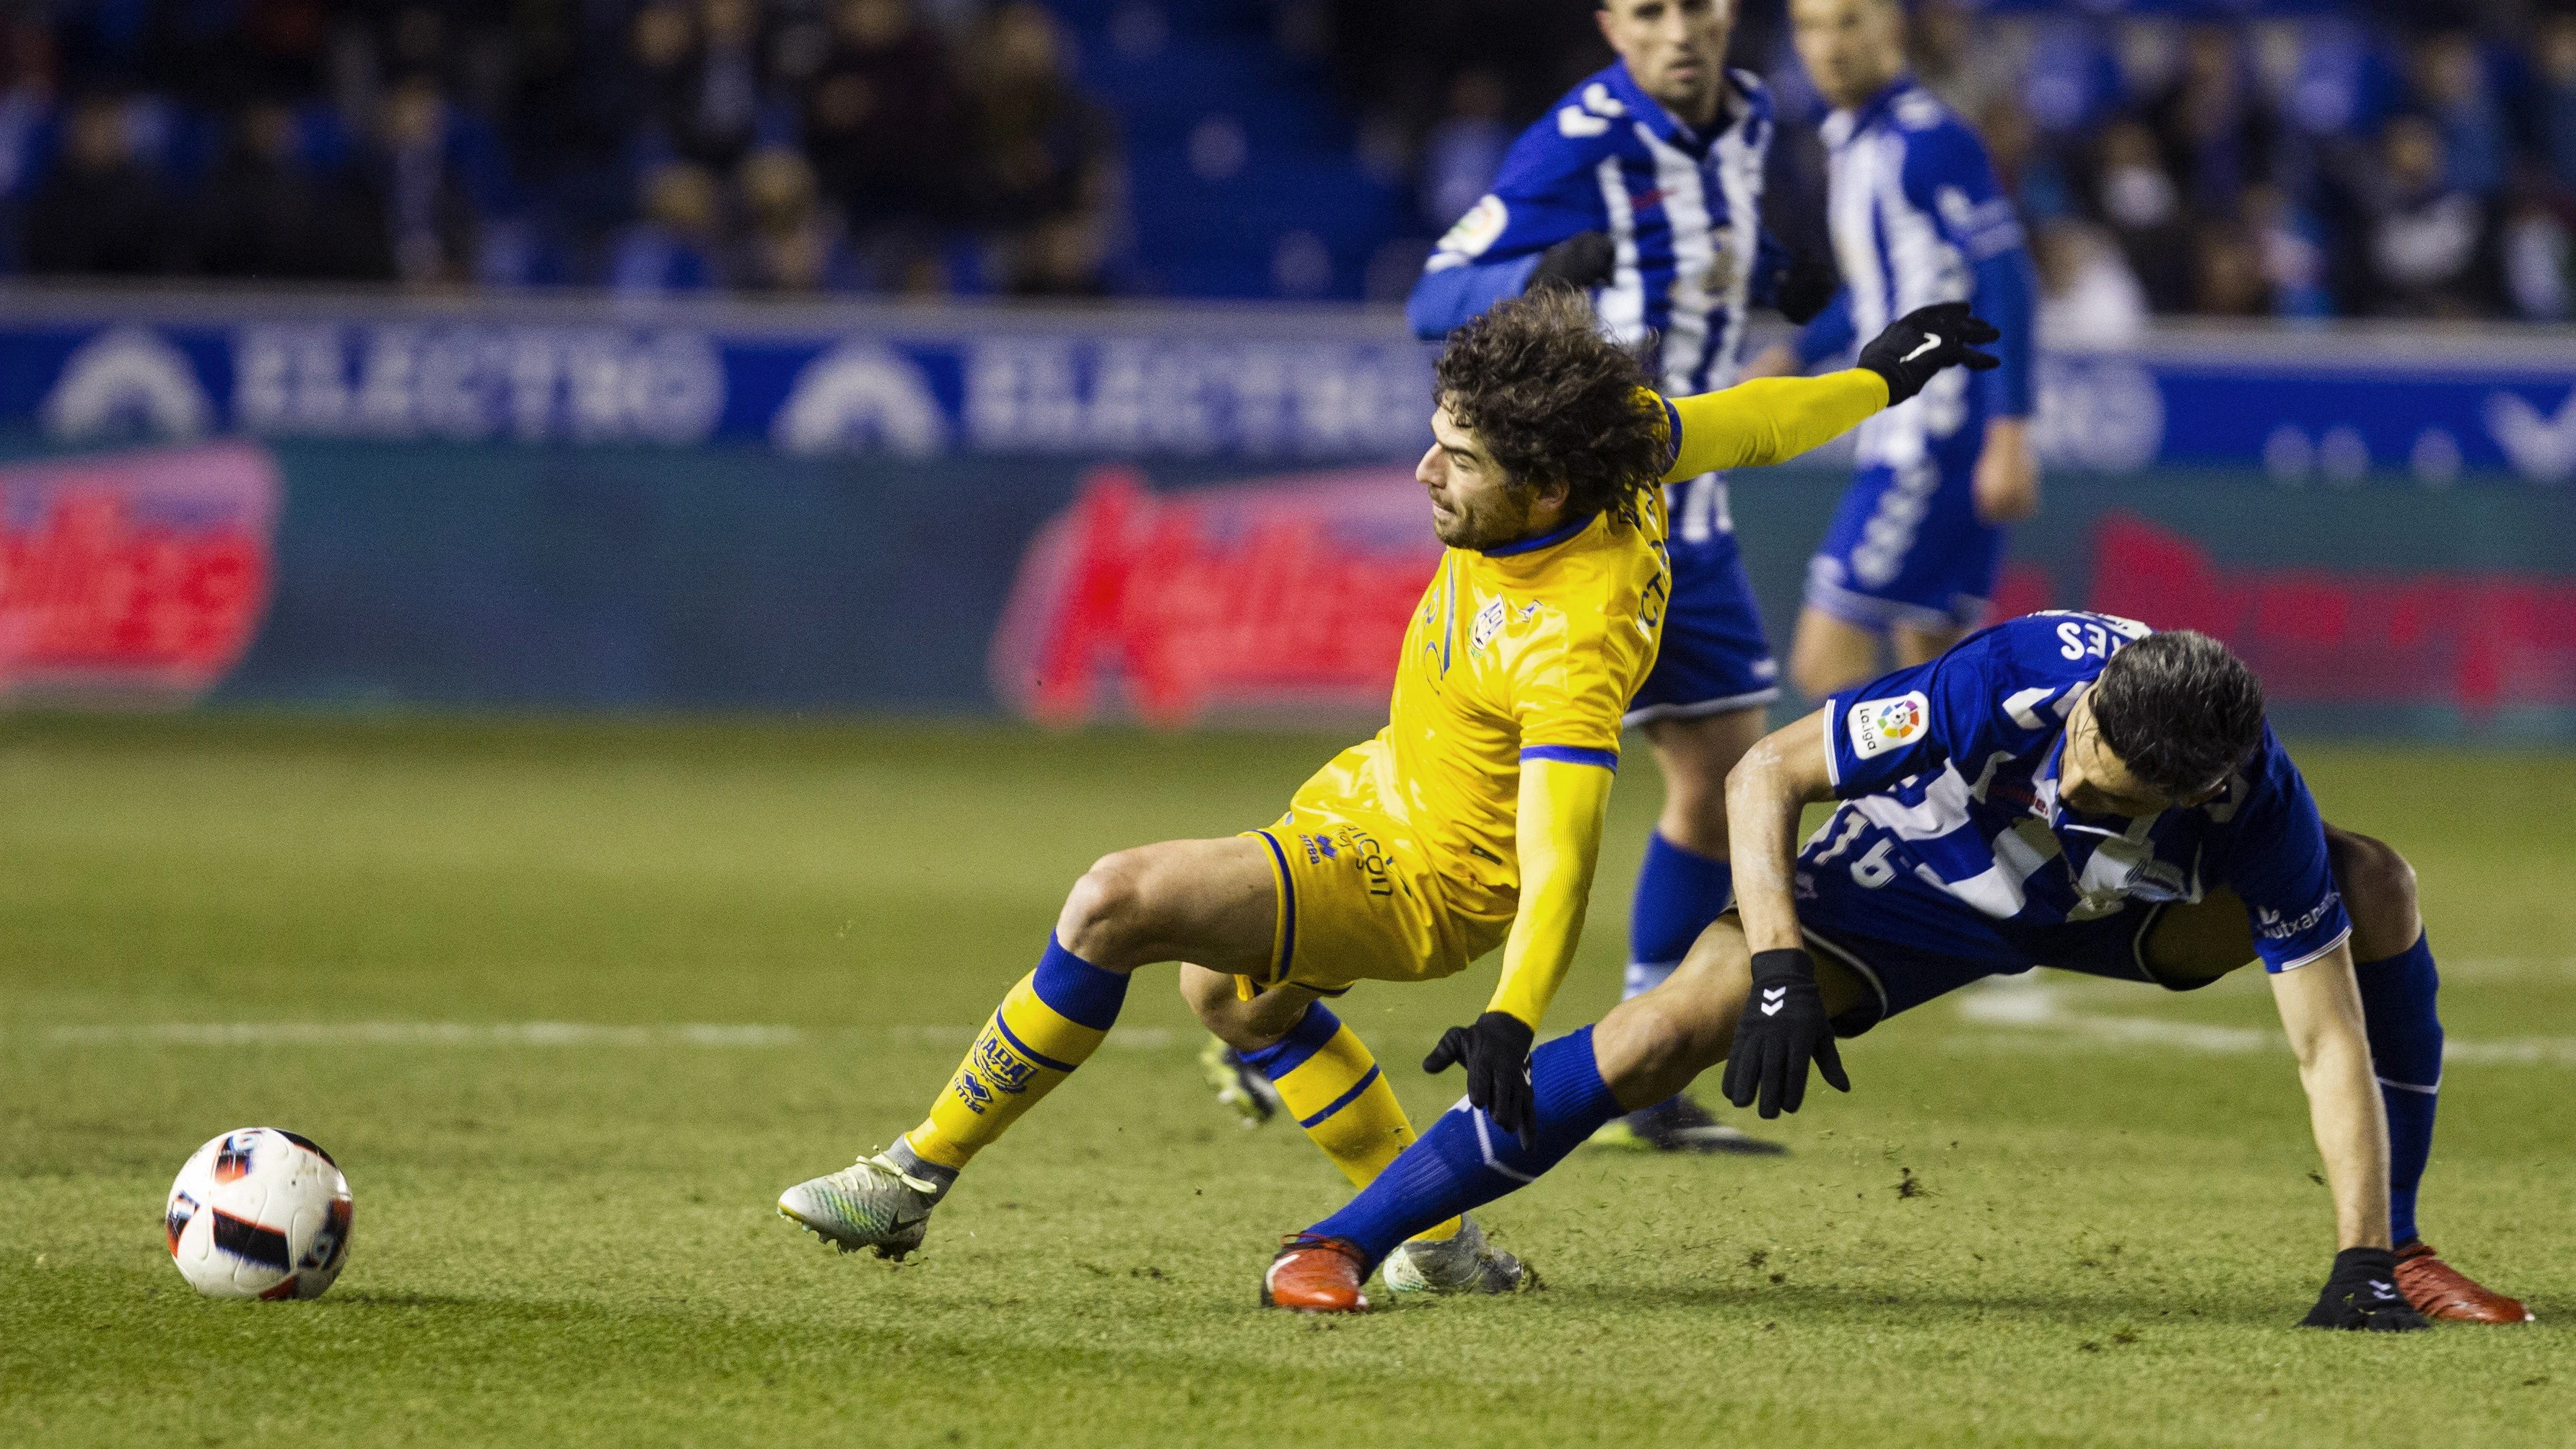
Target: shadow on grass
(1909,1309)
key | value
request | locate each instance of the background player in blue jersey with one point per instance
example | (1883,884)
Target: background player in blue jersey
(1644,184)
(2064,790)
(1916,218)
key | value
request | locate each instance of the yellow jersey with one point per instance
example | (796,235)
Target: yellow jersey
(1518,667)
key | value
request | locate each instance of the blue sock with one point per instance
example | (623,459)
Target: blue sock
(1465,1160)
(1678,893)
(2397,999)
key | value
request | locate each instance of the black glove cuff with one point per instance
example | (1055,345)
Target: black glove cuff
(1790,963)
(1897,389)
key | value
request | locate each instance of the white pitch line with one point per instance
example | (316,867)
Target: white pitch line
(517,1034)
(2021,1004)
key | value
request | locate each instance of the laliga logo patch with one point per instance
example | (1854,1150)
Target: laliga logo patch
(1478,229)
(1880,725)
(1489,622)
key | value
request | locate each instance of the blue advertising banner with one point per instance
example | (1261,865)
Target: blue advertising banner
(1253,385)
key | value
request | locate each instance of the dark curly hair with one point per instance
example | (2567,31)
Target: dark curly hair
(2179,710)
(1551,398)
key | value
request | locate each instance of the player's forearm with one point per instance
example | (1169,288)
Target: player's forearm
(1772,419)
(2321,1010)
(1765,793)
(1562,805)
(2007,295)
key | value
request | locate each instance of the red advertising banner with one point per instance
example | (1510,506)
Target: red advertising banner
(1289,594)
(133,577)
(1295,592)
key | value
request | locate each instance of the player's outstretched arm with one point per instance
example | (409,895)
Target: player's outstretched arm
(1773,419)
(1562,805)
(1785,1025)
(2320,1006)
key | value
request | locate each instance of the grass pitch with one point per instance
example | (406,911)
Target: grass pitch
(2072,1213)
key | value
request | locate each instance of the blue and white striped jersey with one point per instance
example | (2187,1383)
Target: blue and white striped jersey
(1681,209)
(1950,771)
(1917,218)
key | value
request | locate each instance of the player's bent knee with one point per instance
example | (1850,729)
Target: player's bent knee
(2378,886)
(1105,911)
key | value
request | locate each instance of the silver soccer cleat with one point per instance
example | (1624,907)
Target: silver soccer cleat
(870,1204)
(1466,1263)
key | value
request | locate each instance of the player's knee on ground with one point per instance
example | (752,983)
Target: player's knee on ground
(2378,887)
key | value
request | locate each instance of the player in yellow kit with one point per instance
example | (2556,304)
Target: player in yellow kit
(1472,820)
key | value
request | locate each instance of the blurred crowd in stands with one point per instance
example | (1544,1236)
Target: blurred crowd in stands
(2416,158)
(666,145)
(2402,159)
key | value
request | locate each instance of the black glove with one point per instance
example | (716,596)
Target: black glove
(2361,1293)
(1802,287)
(1784,1027)
(1585,259)
(1495,1052)
(1924,341)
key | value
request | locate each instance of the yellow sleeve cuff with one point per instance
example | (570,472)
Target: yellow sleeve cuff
(1770,419)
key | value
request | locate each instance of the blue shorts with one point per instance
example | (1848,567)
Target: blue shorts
(1905,548)
(1715,658)
(1911,941)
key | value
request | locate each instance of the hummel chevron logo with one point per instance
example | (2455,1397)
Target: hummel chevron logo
(1930,341)
(1773,998)
(2382,1290)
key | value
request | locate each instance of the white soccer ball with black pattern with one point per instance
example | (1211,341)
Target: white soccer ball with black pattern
(259,1213)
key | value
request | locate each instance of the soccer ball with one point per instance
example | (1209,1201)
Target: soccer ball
(259,1213)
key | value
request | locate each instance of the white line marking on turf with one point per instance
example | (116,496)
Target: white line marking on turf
(2021,1004)
(520,1034)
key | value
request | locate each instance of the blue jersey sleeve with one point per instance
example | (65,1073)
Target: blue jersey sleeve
(1544,193)
(1948,175)
(2003,690)
(2273,855)
(1827,333)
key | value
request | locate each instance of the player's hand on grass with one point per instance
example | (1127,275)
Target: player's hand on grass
(1784,1027)
(1926,340)
(1802,287)
(1495,1052)
(1583,260)
(2362,1294)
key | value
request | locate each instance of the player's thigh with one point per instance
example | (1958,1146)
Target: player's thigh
(1916,645)
(1214,902)
(1830,653)
(1694,756)
(2194,942)
(1656,1042)
(2378,887)
(1246,1021)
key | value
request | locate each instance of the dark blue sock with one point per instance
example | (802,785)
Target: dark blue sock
(1303,1040)
(1077,990)
(2397,1001)
(1678,893)
(1465,1161)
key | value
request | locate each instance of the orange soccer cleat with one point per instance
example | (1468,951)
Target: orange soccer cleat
(1316,1275)
(2441,1291)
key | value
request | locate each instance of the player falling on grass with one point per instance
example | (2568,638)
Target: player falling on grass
(1644,184)
(2064,790)
(1471,821)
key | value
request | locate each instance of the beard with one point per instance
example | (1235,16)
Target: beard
(1489,523)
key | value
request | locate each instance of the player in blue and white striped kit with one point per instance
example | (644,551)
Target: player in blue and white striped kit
(1644,183)
(1916,218)
(2063,789)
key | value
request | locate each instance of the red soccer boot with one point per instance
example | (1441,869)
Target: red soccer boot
(2441,1291)
(1316,1275)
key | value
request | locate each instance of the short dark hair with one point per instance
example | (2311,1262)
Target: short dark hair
(2179,710)
(1551,398)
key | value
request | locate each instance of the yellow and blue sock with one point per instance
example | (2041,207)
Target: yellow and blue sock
(1679,892)
(1049,1024)
(2397,1005)
(1331,1084)
(1465,1160)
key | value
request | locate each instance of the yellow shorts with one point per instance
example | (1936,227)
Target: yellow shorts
(1361,900)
